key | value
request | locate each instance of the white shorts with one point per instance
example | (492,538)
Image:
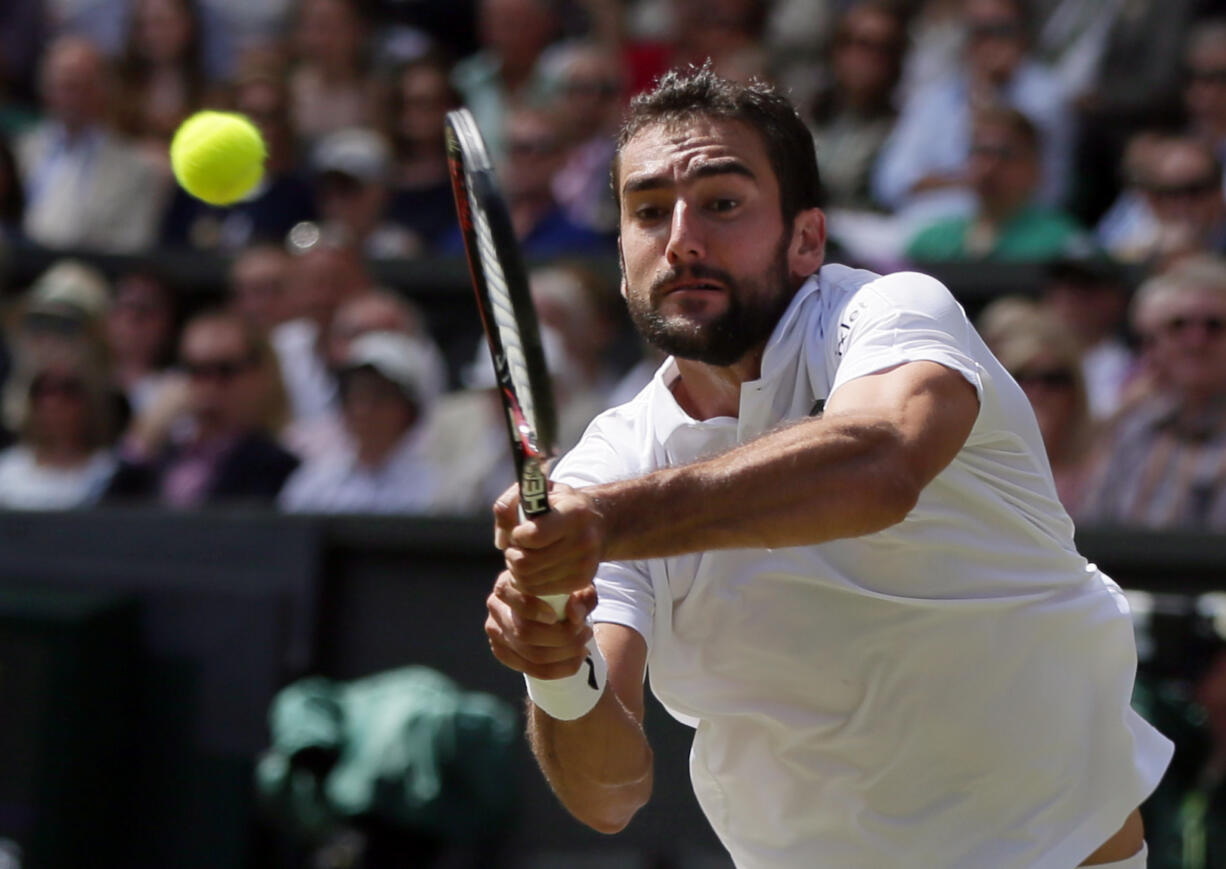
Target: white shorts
(1136,861)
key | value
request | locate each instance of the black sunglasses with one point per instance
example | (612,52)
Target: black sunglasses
(217,369)
(1213,326)
(995,30)
(64,387)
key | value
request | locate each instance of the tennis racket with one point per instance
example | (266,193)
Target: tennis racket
(507,315)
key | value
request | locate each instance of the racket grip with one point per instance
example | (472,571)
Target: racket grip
(558,602)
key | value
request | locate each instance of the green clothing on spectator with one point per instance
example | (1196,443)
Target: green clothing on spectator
(1033,234)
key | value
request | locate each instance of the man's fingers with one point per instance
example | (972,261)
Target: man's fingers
(528,607)
(506,516)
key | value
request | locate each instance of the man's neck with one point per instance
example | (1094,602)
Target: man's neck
(707,391)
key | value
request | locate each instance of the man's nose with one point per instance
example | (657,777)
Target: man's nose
(685,237)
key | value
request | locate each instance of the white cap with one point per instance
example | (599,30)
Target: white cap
(401,359)
(357,152)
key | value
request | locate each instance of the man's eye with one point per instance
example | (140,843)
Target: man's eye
(648,212)
(723,204)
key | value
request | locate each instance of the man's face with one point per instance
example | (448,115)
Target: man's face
(995,39)
(73,84)
(376,412)
(706,259)
(258,286)
(1184,189)
(1003,167)
(866,51)
(534,155)
(1205,93)
(224,385)
(1189,342)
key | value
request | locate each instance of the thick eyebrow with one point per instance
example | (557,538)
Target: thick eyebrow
(707,169)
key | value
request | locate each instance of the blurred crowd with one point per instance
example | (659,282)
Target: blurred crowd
(1087,137)
(1083,135)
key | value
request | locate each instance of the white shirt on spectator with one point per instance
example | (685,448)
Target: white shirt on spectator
(933,136)
(406,482)
(27,485)
(312,388)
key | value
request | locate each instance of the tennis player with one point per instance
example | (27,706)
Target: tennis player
(828,531)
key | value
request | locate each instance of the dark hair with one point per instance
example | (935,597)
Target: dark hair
(1018,122)
(699,92)
(12,194)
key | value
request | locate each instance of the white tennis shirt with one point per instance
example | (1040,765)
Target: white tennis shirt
(952,691)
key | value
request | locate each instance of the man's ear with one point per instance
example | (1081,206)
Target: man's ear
(808,248)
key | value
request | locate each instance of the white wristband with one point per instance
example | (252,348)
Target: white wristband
(572,696)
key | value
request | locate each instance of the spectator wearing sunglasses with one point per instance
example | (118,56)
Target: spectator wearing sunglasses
(213,440)
(1008,224)
(1042,355)
(1162,464)
(64,411)
(1174,204)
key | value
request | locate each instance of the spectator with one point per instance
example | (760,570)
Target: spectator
(329,85)
(85,187)
(259,285)
(585,313)
(513,34)
(383,311)
(422,200)
(373,311)
(353,169)
(1043,358)
(1087,291)
(283,199)
(1175,205)
(161,73)
(12,196)
(922,163)
(326,273)
(588,84)
(381,468)
(212,441)
(854,115)
(1007,224)
(1204,93)
(141,329)
(64,307)
(1135,86)
(64,409)
(534,154)
(1163,463)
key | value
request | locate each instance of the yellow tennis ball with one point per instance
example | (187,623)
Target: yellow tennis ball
(218,156)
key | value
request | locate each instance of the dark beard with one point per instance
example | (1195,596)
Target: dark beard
(754,308)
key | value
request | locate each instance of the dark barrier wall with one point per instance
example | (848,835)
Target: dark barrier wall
(219,610)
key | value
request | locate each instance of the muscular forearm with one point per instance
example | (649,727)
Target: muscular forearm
(600,766)
(813,481)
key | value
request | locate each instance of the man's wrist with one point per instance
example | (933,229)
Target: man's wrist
(573,696)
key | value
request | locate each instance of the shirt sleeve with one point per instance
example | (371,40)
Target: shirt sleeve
(900,318)
(624,590)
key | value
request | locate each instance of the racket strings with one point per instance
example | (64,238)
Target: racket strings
(503,312)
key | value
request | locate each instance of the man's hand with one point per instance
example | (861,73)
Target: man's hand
(526,636)
(554,553)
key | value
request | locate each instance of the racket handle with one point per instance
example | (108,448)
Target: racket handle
(558,602)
